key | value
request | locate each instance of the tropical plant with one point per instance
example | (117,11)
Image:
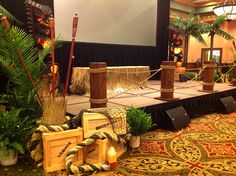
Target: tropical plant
(12,43)
(139,121)
(189,27)
(214,29)
(15,130)
(190,75)
(16,43)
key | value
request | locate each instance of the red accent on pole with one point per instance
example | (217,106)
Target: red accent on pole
(52,31)
(74,29)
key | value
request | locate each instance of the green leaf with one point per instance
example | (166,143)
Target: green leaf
(18,147)
(138,121)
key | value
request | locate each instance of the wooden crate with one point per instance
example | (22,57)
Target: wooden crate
(95,122)
(96,153)
(57,144)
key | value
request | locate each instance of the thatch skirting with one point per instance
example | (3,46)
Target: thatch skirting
(123,77)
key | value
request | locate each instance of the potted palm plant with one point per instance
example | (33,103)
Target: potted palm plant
(14,132)
(18,118)
(139,123)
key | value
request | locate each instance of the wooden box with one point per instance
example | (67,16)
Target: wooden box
(57,144)
(95,122)
(96,153)
(178,71)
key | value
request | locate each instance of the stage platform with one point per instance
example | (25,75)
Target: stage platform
(188,94)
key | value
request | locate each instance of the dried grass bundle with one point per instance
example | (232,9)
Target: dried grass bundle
(123,77)
(54,110)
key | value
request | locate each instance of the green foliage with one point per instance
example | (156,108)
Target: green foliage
(10,43)
(19,108)
(190,26)
(216,77)
(139,121)
(215,28)
(18,100)
(15,130)
(190,75)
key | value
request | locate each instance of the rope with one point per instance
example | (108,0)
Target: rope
(225,73)
(92,167)
(35,146)
(167,90)
(98,70)
(149,71)
(195,77)
(137,83)
(208,84)
(98,100)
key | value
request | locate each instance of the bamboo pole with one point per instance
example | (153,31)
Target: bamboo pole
(52,31)
(74,29)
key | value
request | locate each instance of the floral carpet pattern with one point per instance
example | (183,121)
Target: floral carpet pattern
(207,147)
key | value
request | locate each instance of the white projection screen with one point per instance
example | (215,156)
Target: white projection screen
(128,22)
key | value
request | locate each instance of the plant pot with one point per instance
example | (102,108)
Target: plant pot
(134,141)
(179,64)
(11,159)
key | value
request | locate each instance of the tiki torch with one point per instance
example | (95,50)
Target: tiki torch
(52,31)
(74,29)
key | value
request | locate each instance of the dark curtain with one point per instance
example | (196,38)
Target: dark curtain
(114,55)
(195,107)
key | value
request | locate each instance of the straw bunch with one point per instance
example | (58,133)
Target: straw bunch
(54,110)
(123,77)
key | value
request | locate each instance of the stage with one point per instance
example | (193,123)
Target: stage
(188,94)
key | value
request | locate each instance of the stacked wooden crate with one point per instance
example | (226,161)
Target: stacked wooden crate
(57,144)
(96,153)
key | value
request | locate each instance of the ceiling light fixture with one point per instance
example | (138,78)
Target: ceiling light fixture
(227,8)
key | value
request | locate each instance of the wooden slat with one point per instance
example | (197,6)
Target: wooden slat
(97,152)
(95,122)
(57,144)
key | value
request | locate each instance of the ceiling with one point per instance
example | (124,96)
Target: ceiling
(198,3)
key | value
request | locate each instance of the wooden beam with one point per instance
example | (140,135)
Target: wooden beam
(186,2)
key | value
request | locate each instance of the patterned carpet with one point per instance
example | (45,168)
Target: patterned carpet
(207,147)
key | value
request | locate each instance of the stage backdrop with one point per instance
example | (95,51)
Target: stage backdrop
(119,32)
(129,22)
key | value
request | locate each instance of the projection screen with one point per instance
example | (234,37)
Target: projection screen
(128,22)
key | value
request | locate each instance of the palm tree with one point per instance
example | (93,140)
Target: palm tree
(214,29)
(189,27)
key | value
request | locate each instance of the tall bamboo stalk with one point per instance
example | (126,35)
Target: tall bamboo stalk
(74,29)
(52,31)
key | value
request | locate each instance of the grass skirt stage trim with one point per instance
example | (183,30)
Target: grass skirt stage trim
(118,78)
